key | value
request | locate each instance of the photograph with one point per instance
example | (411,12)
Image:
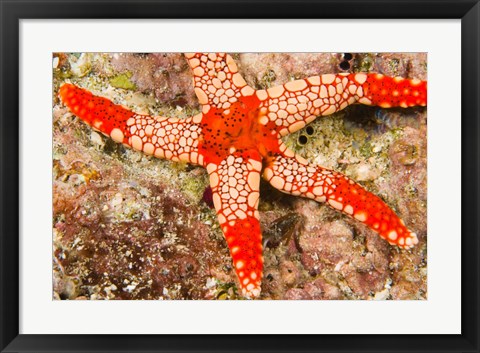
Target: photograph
(239,176)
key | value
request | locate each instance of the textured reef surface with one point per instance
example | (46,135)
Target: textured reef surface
(130,226)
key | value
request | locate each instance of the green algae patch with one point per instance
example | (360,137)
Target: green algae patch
(123,81)
(194,186)
(364,63)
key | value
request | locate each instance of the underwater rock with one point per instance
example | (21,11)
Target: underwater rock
(129,226)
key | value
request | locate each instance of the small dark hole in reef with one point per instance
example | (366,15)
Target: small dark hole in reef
(309,130)
(344,65)
(347,56)
(302,139)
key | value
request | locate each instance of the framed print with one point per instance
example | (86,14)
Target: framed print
(256,177)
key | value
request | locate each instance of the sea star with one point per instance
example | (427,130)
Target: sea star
(236,138)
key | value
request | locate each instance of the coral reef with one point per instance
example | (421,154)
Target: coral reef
(130,226)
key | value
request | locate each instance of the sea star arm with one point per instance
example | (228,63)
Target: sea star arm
(169,138)
(216,80)
(235,185)
(294,175)
(293,105)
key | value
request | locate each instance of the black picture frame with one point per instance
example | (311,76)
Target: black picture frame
(13,11)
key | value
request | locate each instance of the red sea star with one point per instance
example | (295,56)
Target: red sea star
(237,139)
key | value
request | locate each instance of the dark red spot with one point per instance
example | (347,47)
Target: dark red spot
(208,196)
